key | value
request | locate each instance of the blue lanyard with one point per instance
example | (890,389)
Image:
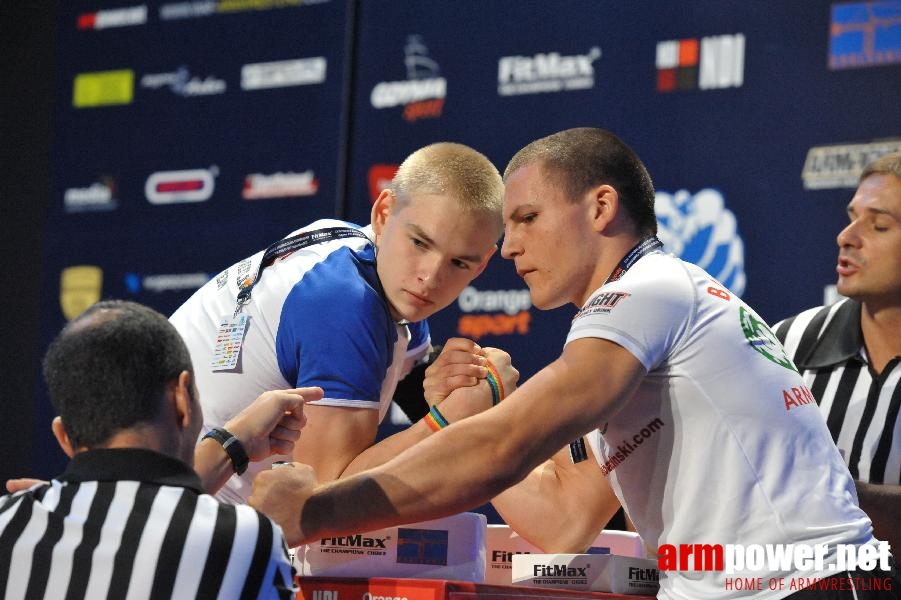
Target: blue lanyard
(642,248)
(577,451)
(292,244)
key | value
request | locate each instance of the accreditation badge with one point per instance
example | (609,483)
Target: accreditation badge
(229,339)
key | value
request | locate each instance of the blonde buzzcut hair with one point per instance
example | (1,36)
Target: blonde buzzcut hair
(454,170)
(888,164)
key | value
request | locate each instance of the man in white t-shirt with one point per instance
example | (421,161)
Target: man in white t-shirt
(707,432)
(343,308)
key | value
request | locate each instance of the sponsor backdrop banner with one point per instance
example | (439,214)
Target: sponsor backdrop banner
(191,133)
(188,135)
(754,122)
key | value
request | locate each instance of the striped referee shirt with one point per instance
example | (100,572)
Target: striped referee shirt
(863,412)
(133,523)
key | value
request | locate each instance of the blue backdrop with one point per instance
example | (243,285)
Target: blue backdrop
(189,134)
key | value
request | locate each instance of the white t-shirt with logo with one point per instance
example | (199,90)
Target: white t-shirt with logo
(722,443)
(317,317)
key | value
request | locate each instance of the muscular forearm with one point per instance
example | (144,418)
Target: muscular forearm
(458,405)
(424,483)
(388,448)
(474,460)
(269,425)
(559,506)
(212,465)
(453,470)
(883,505)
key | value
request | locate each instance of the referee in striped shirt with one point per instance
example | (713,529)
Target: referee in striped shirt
(850,352)
(130,518)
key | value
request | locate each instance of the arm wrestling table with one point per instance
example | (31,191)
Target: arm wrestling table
(385,588)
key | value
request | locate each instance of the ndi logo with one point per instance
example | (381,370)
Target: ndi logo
(711,63)
(699,229)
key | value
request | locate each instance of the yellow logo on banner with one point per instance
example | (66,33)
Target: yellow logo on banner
(79,288)
(241,5)
(103,88)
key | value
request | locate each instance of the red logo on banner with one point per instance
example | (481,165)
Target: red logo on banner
(113,17)
(710,63)
(176,187)
(380,177)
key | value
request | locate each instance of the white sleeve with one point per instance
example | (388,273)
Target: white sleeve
(645,315)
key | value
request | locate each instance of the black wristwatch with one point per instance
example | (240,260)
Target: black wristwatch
(232,446)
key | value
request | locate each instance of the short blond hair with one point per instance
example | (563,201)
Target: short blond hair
(455,170)
(888,164)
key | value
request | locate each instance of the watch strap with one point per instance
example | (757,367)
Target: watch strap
(232,446)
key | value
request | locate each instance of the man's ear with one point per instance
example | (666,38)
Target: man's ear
(604,206)
(183,402)
(62,438)
(381,208)
(484,264)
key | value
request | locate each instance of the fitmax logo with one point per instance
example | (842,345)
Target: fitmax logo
(637,574)
(546,72)
(354,541)
(504,555)
(559,571)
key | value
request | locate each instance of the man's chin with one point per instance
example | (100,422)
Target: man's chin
(412,314)
(424,313)
(844,288)
(549,305)
(546,303)
(851,291)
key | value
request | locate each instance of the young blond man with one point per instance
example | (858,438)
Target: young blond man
(344,308)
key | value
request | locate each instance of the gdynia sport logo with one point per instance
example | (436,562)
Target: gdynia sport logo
(759,565)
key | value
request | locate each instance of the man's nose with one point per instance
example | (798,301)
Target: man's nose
(848,236)
(509,247)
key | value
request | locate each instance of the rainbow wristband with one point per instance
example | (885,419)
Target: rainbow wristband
(495,383)
(495,392)
(435,420)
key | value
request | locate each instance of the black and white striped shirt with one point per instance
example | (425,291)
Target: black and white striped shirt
(863,413)
(132,523)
